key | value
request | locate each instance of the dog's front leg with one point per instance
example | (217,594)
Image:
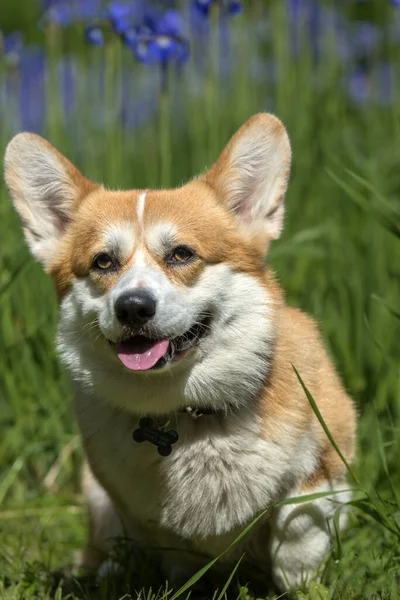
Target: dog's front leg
(104,523)
(301,535)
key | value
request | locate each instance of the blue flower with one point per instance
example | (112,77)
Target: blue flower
(386,84)
(365,35)
(230,7)
(94,35)
(122,15)
(161,49)
(66,77)
(307,17)
(118,13)
(235,8)
(169,24)
(11,47)
(31,92)
(87,9)
(60,14)
(203,6)
(160,40)
(130,35)
(65,12)
(375,85)
(359,86)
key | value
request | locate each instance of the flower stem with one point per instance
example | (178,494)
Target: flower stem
(164,128)
(212,86)
(113,124)
(54,113)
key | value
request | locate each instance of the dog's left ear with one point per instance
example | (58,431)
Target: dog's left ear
(251,175)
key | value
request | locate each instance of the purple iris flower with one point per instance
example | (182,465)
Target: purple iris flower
(359,86)
(308,19)
(88,9)
(23,84)
(234,8)
(386,84)
(365,36)
(122,15)
(31,90)
(203,6)
(66,77)
(160,40)
(231,7)
(376,85)
(65,12)
(130,35)
(118,13)
(94,35)
(170,23)
(11,47)
(13,42)
(61,14)
(199,24)
(160,49)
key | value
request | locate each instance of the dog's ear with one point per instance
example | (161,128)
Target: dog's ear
(44,187)
(251,175)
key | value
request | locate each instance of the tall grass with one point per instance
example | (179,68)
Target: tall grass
(339,259)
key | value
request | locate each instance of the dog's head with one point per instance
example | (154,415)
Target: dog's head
(163,296)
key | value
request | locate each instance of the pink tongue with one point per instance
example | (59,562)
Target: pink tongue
(140,353)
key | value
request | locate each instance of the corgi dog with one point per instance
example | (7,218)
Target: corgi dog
(181,352)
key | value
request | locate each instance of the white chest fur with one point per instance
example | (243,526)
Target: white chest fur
(219,476)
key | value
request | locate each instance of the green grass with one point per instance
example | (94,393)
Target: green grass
(339,259)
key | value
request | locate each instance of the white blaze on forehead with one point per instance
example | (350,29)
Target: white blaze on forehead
(140,260)
(140,209)
(120,239)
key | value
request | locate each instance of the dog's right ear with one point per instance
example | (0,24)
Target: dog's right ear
(44,187)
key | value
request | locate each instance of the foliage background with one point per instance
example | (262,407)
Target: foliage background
(330,71)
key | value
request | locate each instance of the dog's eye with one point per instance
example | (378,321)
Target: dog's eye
(181,254)
(103,262)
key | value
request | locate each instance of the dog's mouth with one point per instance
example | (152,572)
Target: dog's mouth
(142,353)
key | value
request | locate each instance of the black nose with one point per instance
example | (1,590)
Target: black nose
(135,308)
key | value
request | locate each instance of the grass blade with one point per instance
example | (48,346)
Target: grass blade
(228,581)
(324,426)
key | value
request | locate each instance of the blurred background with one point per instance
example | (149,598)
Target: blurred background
(145,94)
